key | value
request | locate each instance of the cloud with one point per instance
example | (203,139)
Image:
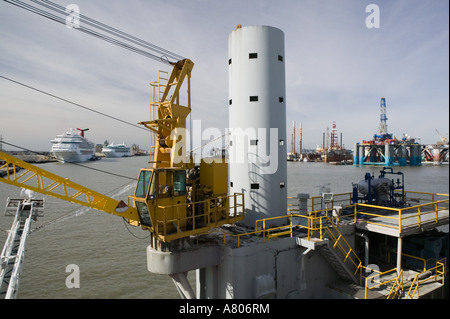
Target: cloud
(336,68)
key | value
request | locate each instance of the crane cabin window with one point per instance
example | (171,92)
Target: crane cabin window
(179,183)
(171,183)
(143,213)
(142,185)
(165,184)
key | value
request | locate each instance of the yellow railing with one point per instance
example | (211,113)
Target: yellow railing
(420,259)
(402,219)
(321,225)
(376,281)
(397,287)
(436,272)
(215,211)
(412,196)
(396,283)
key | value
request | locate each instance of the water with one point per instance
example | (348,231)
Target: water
(112,261)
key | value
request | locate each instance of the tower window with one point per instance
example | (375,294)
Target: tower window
(253,142)
(253,55)
(281,99)
(254,98)
(229,61)
(254,186)
(230,102)
(280,58)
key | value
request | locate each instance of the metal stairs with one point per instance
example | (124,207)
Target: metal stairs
(337,260)
(13,253)
(328,239)
(342,267)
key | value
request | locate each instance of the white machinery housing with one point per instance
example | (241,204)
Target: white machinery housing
(257,120)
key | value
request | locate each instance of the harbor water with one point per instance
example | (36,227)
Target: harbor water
(111,256)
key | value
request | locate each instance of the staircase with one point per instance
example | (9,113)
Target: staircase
(338,262)
(329,241)
(13,253)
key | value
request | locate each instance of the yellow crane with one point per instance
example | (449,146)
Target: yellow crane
(173,198)
(443,138)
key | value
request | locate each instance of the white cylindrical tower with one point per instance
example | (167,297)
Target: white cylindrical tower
(257,121)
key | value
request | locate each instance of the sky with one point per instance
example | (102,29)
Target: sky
(337,68)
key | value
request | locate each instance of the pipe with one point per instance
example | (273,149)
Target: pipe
(366,247)
(399,254)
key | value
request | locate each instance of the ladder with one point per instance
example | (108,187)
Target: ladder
(13,253)
(333,247)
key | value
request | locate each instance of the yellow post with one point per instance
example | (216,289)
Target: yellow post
(437,212)
(418,216)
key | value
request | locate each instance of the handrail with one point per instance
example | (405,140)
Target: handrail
(323,225)
(396,292)
(393,250)
(346,251)
(439,270)
(212,217)
(433,209)
(372,282)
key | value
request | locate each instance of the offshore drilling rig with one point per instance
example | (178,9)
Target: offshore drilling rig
(385,149)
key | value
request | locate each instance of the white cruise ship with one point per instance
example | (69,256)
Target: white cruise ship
(72,147)
(116,150)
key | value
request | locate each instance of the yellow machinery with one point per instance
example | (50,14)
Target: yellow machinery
(173,198)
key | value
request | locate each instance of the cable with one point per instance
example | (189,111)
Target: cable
(126,226)
(73,103)
(138,41)
(116,37)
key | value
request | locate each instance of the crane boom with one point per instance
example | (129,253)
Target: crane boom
(170,126)
(47,183)
(172,199)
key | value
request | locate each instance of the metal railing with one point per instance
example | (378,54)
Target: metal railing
(403,219)
(438,271)
(320,224)
(375,280)
(209,213)
(397,287)
(323,226)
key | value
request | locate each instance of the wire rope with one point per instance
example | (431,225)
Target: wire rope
(73,103)
(115,36)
